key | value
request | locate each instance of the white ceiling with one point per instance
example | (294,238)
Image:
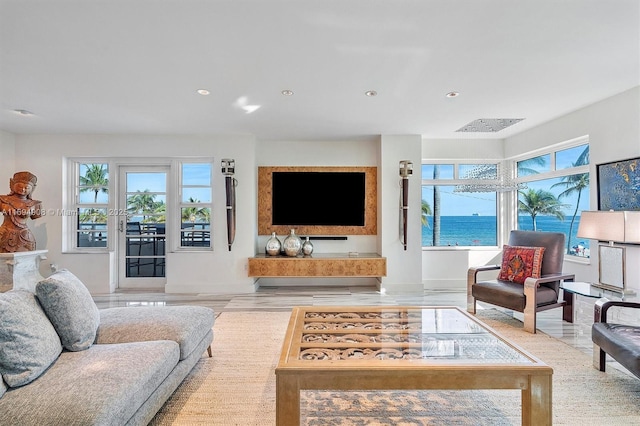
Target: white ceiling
(133,66)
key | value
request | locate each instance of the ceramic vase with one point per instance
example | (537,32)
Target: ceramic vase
(292,244)
(273,246)
(307,247)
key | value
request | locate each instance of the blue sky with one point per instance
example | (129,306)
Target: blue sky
(194,174)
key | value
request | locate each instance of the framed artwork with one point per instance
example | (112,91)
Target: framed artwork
(619,185)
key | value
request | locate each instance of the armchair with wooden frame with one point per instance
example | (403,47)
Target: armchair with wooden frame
(536,294)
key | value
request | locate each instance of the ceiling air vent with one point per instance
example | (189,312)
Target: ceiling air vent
(489,124)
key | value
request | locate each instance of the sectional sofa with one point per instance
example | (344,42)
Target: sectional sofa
(65,362)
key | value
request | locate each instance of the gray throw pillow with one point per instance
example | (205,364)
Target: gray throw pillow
(28,342)
(70,308)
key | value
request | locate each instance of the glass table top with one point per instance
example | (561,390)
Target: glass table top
(593,291)
(413,334)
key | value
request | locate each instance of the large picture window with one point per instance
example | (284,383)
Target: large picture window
(454,213)
(461,200)
(557,191)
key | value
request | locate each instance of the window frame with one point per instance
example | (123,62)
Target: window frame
(501,198)
(71,200)
(178,167)
(554,173)
(71,205)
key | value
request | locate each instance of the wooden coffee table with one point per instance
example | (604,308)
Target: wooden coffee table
(403,347)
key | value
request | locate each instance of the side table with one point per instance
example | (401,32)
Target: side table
(571,289)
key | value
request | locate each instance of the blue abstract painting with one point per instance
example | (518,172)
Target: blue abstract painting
(619,185)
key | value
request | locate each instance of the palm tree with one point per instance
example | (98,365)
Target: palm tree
(95,179)
(426,211)
(540,202)
(141,203)
(528,167)
(192,214)
(574,183)
(436,207)
(93,216)
(160,212)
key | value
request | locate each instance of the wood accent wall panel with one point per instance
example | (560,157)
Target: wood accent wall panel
(265,227)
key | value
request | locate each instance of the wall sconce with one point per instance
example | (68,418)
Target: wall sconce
(229,169)
(406,170)
(611,226)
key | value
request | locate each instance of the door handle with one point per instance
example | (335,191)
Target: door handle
(121,226)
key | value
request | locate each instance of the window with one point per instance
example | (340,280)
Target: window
(437,171)
(458,205)
(195,204)
(92,214)
(557,191)
(534,165)
(91,205)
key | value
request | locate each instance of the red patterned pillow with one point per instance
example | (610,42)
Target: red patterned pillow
(520,263)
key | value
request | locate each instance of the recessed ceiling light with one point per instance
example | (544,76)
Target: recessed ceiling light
(371,93)
(452,94)
(22,112)
(287,92)
(203,92)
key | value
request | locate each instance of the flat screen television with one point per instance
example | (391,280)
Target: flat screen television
(318,198)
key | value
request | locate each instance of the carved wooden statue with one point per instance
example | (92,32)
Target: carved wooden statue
(17,207)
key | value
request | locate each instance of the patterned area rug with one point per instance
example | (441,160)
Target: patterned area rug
(237,386)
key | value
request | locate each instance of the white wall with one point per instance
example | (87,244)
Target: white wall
(403,267)
(319,153)
(613,127)
(205,272)
(221,271)
(7,160)
(453,149)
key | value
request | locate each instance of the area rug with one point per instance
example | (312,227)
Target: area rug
(237,386)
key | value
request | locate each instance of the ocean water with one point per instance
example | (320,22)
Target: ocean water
(481,230)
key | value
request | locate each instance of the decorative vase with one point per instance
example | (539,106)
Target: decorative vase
(307,247)
(273,246)
(292,244)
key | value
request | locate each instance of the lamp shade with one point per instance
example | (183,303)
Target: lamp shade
(602,225)
(632,227)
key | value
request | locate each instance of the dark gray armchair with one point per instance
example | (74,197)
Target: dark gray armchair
(620,341)
(537,294)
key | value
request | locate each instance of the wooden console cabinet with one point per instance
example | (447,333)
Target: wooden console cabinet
(319,265)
